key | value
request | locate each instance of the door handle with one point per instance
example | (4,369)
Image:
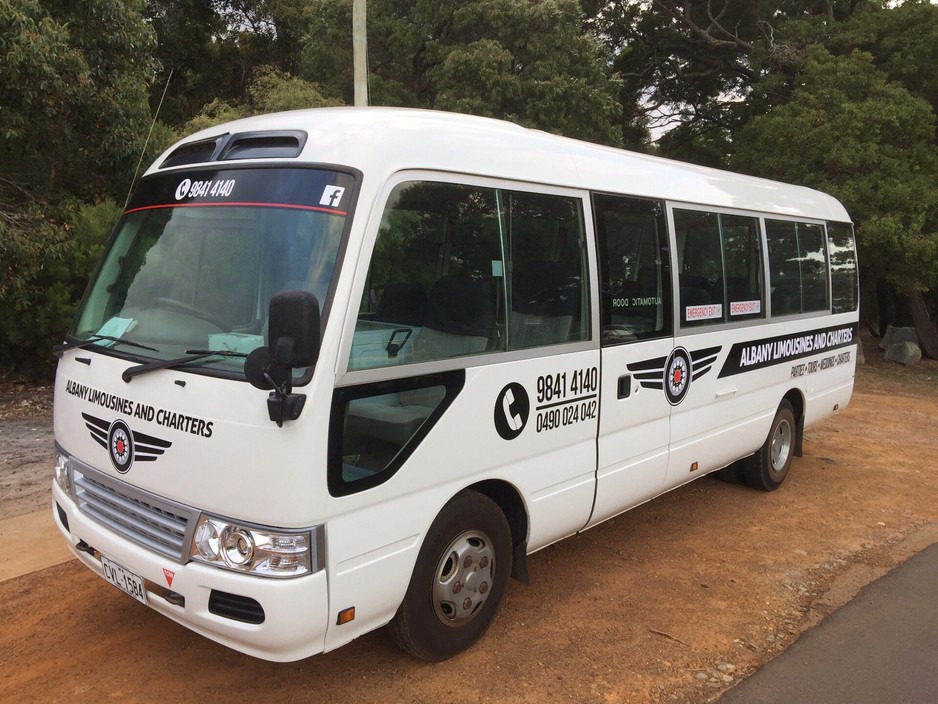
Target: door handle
(625,386)
(724,394)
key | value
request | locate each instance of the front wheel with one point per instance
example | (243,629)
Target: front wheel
(459,579)
(768,468)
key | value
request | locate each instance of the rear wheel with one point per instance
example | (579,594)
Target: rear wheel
(459,579)
(768,468)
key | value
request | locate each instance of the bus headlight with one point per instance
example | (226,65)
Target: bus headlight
(61,471)
(237,547)
(256,550)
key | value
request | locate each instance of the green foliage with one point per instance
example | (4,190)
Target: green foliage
(529,61)
(185,31)
(47,258)
(38,69)
(211,114)
(274,91)
(74,77)
(270,91)
(840,95)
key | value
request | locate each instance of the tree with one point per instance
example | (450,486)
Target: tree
(75,78)
(702,69)
(185,32)
(531,61)
(270,91)
(273,91)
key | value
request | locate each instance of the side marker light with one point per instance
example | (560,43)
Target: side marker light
(345,616)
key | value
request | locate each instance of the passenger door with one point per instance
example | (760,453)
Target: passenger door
(721,302)
(637,343)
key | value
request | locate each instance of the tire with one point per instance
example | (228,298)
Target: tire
(458,582)
(768,468)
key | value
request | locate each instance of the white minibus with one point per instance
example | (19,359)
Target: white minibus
(342,368)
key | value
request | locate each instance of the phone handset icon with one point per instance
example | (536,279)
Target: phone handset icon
(514,420)
(511,410)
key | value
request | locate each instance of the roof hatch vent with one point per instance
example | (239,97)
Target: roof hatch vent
(194,152)
(264,145)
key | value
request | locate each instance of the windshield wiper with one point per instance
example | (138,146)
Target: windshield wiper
(57,350)
(193,356)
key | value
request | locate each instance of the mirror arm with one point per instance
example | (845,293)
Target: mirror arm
(282,404)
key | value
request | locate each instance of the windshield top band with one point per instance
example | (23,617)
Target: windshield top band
(318,209)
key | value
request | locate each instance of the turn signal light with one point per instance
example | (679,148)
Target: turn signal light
(345,616)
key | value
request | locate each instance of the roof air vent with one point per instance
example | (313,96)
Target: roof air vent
(193,152)
(264,145)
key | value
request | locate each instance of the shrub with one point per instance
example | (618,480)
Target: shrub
(47,256)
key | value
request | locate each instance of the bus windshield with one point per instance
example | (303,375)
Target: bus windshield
(197,257)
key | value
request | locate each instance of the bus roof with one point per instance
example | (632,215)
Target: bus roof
(380,141)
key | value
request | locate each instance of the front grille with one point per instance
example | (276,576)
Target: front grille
(158,524)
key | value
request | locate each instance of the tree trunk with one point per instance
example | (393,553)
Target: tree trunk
(924,327)
(883,299)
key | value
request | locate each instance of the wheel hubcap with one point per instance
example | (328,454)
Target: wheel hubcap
(463,578)
(781,446)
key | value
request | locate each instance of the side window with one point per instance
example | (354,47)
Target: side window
(375,427)
(549,286)
(720,259)
(797,267)
(814,275)
(463,270)
(635,276)
(435,279)
(742,263)
(700,267)
(843,267)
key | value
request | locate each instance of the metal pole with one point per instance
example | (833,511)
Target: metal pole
(360,52)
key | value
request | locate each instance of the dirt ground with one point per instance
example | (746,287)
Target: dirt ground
(672,602)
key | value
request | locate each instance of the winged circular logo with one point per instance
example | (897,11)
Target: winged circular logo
(675,372)
(124,445)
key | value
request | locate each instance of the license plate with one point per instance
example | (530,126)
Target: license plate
(124,579)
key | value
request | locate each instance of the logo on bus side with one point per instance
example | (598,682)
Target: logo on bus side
(675,372)
(124,445)
(677,379)
(512,408)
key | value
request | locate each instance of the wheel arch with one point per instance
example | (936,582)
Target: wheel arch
(509,500)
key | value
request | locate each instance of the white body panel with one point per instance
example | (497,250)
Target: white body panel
(634,433)
(269,489)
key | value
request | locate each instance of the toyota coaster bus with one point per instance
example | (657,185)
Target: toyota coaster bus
(341,368)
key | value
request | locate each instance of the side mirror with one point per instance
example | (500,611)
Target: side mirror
(292,342)
(293,329)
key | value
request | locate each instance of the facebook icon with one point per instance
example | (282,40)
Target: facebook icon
(332,196)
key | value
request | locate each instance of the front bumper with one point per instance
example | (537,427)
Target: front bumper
(294,612)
